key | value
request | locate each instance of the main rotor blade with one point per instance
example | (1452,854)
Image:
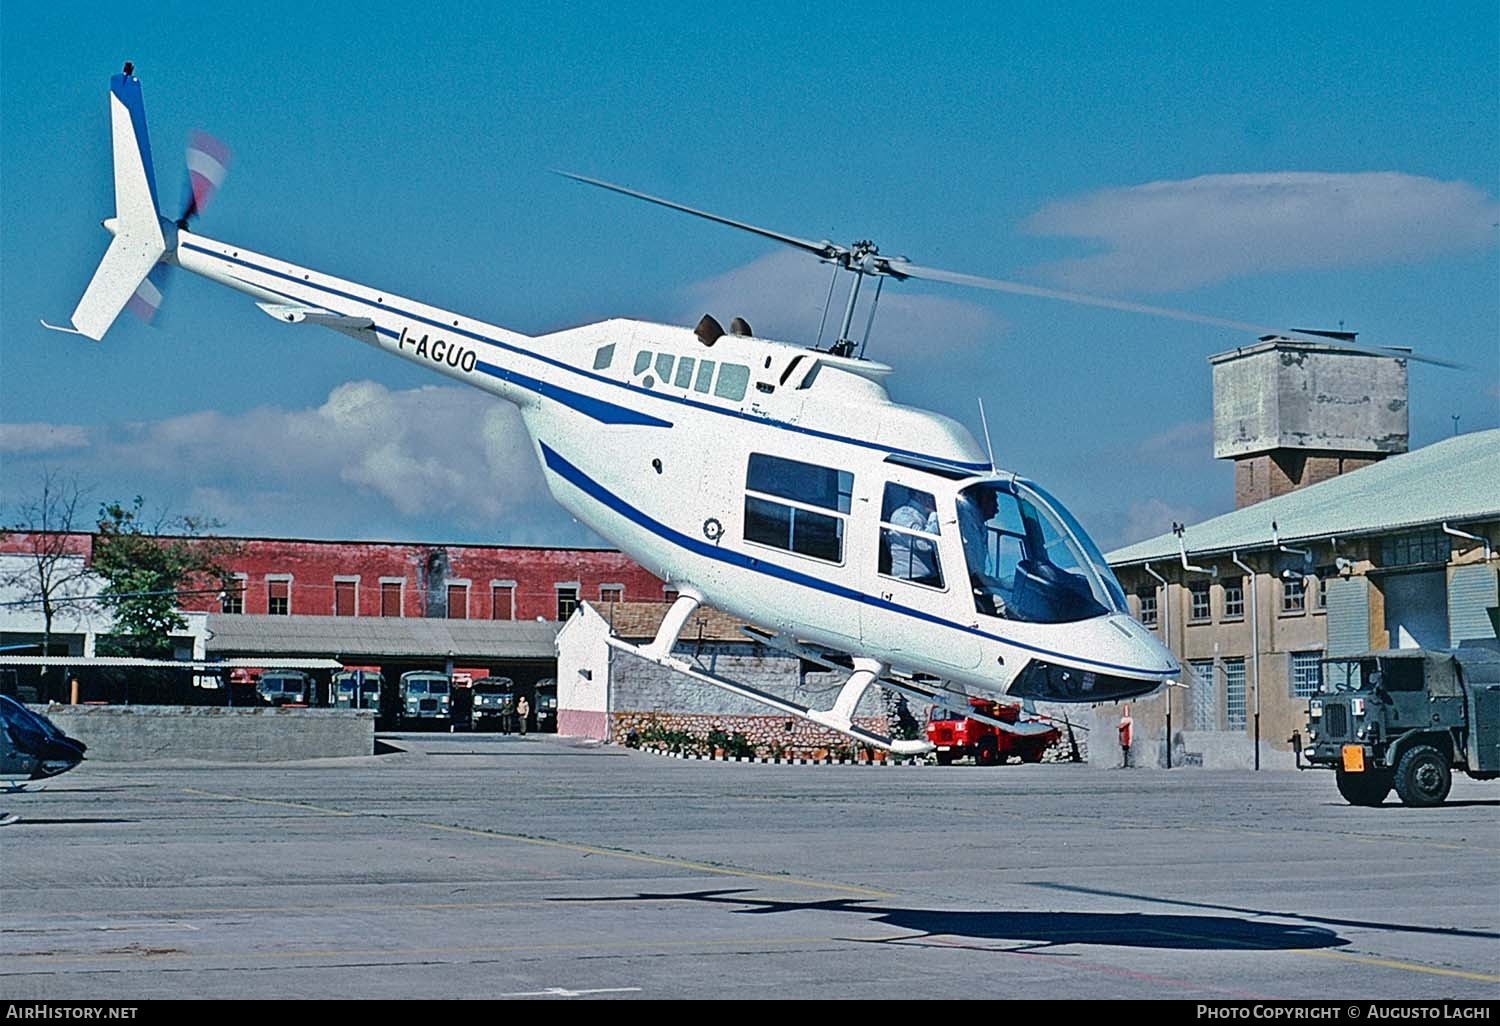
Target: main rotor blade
(825,249)
(901,269)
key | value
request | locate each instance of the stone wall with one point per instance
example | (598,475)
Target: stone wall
(148,733)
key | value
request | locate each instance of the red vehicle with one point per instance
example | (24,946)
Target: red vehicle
(991,734)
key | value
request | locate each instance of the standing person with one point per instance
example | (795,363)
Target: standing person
(1127,729)
(523,709)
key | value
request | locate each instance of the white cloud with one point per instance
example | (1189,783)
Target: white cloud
(423,462)
(37,437)
(1148,519)
(1174,235)
(1186,444)
(782,295)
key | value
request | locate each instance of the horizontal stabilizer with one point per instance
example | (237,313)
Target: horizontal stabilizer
(362,328)
(315,315)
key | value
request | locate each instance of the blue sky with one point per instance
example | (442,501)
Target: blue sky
(1300,165)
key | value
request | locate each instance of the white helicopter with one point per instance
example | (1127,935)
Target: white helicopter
(770,480)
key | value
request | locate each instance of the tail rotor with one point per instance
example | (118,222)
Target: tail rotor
(207,164)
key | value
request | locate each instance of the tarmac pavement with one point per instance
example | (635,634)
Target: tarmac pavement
(500,866)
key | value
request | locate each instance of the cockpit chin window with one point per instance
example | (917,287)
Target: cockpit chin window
(1029,560)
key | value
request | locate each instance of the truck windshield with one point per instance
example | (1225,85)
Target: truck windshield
(1340,675)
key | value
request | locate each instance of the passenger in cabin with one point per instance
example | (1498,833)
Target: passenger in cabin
(913,558)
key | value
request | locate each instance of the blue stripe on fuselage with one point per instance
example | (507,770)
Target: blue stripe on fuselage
(569,368)
(594,490)
(598,409)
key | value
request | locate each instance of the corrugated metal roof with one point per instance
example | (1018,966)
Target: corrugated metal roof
(380,636)
(1457,480)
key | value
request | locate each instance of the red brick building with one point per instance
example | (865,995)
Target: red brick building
(305,577)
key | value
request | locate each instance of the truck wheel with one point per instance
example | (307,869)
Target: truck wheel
(945,758)
(1364,788)
(987,752)
(1423,776)
(1032,754)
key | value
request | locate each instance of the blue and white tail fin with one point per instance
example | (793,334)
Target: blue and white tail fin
(138,243)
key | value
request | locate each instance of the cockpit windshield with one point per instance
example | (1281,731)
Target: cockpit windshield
(1028,559)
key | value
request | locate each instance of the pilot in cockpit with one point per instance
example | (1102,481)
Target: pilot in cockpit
(976,508)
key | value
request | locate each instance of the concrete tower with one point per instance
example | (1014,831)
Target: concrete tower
(1292,413)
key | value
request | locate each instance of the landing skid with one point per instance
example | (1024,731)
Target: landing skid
(838,717)
(911,688)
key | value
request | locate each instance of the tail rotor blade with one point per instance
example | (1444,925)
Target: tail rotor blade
(148,296)
(207,163)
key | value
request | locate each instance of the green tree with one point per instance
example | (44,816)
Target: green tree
(148,568)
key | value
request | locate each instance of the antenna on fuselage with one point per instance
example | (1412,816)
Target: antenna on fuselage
(984,422)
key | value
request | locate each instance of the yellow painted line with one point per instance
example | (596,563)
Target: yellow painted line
(51,958)
(1388,963)
(171,915)
(660,860)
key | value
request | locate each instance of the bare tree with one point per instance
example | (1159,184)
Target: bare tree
(45,531)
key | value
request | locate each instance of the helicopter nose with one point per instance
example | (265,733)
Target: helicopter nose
(1110,659)
(1144,647)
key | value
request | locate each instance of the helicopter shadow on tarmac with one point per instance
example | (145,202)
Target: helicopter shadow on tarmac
(1035,930)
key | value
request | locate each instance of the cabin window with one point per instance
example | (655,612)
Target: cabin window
(604,356)
(685,372)
(664,366)
(705,376)
(801,482)
(642,361)
(797,525)
(908,536)
(734,379)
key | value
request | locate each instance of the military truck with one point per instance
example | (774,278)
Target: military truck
(1406,718)
(356,687)
(424,699)
(493,704)
(285,687)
